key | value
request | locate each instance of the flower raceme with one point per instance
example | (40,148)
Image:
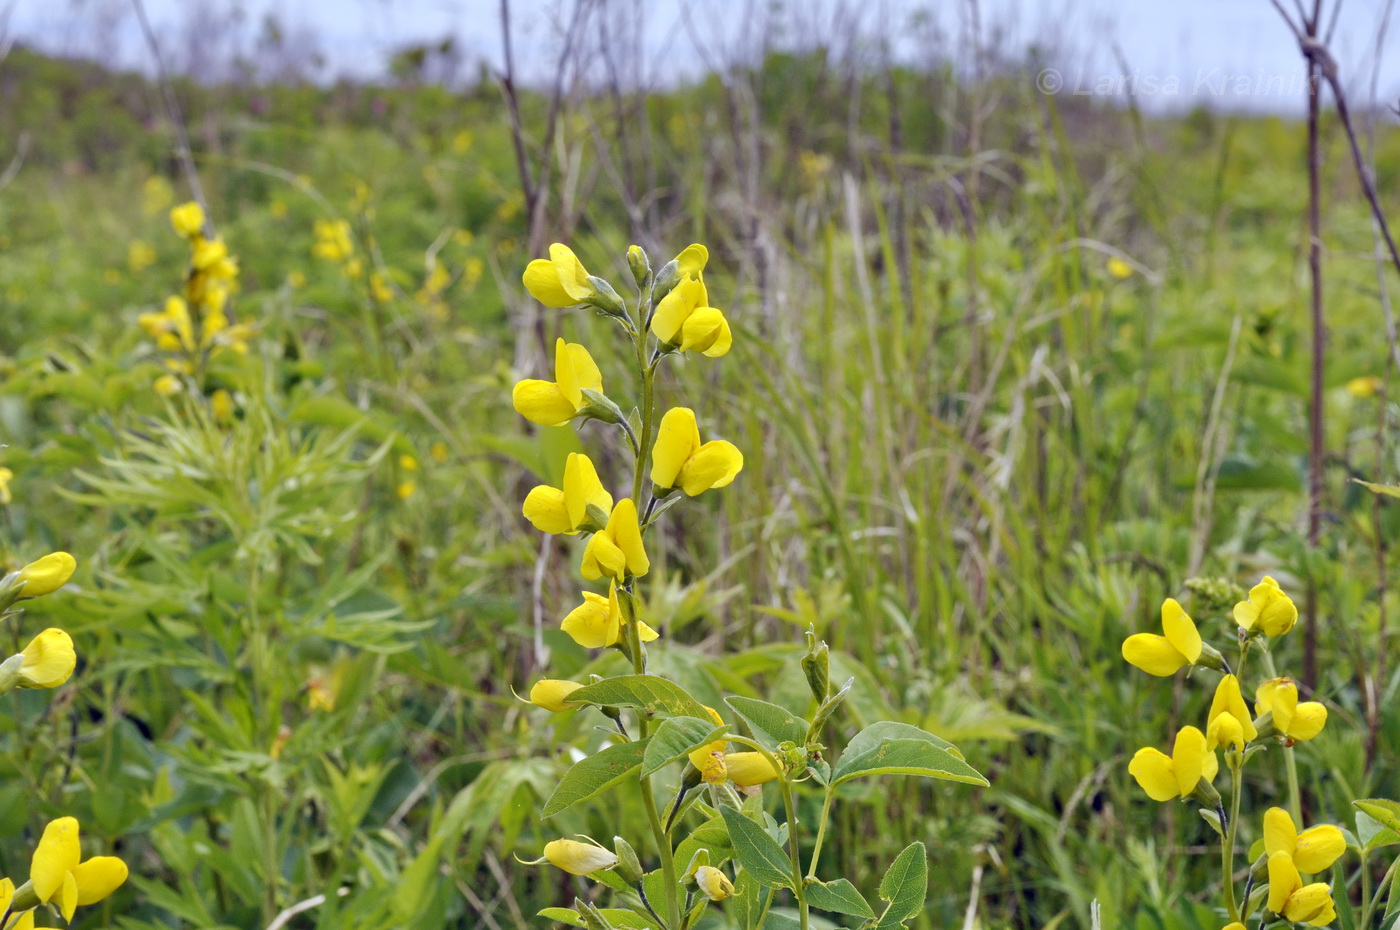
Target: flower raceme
(583,502)
(1164,777)
(1296,722)
(598,622)
(680,460)
(1314,850)
(59,877)
(616,551)
(554,403)
(1294,901)
(1180,646)
(1268,610)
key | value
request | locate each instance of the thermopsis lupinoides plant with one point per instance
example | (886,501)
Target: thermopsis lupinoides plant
(1274,890)
(700,777)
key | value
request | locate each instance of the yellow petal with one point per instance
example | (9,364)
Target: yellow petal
(1308,720)
(723,340)
(48,660)
(1229,700)
(187,219)
(1153,771)
(68,897)
(714,465)
(1153,654)
(542,402)
(592,625)
(691,261)
(624,528)
(545,509)
(1283,880)
(1311,904)
(749,768)
(1189,759)
(602,557)
(98,877)
(1282,702)
(579,858)
(1246,615)
(56,855)
(573,277)
(1225,731)
(1319,847)
(581,488)
(549,693)
(585,371)
(542,281)
(1181,630)
(1280,833)
(702,329)
(674,308)
(713,883)
(1210,766)
(645,633)
(7,893)
(677,439)
(47,575)
(701,756)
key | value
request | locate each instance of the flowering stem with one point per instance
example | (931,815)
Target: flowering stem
(1227,843)
(798,886)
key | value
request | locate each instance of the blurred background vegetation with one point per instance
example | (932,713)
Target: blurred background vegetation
(976,460)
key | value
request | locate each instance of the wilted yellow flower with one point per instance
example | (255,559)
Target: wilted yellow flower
(549,693)
(49,660)
(140,256)
(560,280)
(6,476)
(713,883)
(1314,850)
(567,511)
(679,459)
(1268,609)
(747,769)
(1228,700)
(1165,655)
(1294,901)
(58,876)
(579,858)
(1296,721)
(188,219)
(1167,777)
(1119,269)
(684,319)
(617,551)
(598,622)
(1366,386)
(47,575)
(554,403)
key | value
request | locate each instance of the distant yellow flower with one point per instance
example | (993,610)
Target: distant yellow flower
(319,695)
(560,280)
(379,288)
(617,551)
(1268,610)
(554,403)
(1164,656)
(549,693)
(579,858)
(188,219)
(406,489)
(157,194)
(211,255)
(1294,901)
(140,256)
(47,575)
(6,476)
(599,621)
(713,883)
(59,877)
(278,208)
(438,452)
(1166,777)
(1119,269)
(463,237)
(1314,850)
(221,406)
(566,511)
(1366,386)
(679,459)
(408,463)
(296,280)
(333,241)
(49,660)
(1298,722)
(462,142)
(747,769)
(1228,700)
(168,386)
(684,319)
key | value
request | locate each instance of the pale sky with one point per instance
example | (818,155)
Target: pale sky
(1227,53)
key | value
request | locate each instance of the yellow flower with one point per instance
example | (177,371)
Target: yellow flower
(1296,902)
(379,288)
(702,756)
(549,693)
(1268,610)
(579,858)
(60,878)
(333,241)
(554,403)
(678,458)
(139,256)
(25,921)
(560,280)
(685,319)
(1298,722)
(597,623)
(1165,778)
(747,769)
(1314,850)
(1366,386)
(713,883)
(188,219)
(617,551)
(221,406)
(406,489)
(438,452)
(567,511)
(1165,655)
(1224,732)
(48,660)
(462,142)
(1119,269)
(1228,700)
(168,386)
(211,256)
(47,575)
(6,476)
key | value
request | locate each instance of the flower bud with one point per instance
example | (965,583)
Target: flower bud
(550,693)
(47,575)
(746,769)
(816,665)
(713,883)
(604,298)
(579,858)
(629,867)
(598,406)
(49,660)
(639,264)
(666,280)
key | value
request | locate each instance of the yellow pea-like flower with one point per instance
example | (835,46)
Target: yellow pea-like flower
(47,575)
(1164,777)
(1294,901)
(1229,700)
(1296,721)
(1268,610)
(616,551)
(554,403)
(1314,850)
(188,219)
(1119,269)
(747,769)
(680,460)
(49,660)
(560,280)
(550,693)
(579,858)
(691,262)
(566,511)
(6,476)
(1165,655)
(713,883)
(685,319)
(703,755)
(1225,732)
(598,622)
(58,877)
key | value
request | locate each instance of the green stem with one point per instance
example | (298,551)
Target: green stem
(1227,844)
(821,832)
(794,852)
(1370,912)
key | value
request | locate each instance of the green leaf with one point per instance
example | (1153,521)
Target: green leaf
(839,897)
(771,724)
(904,887)
(712,835)
(744,907)
(757,852)
(1389,490)
(590,777)
(827,708)
(618,917)
(649,693)
(1387,813)
(675,738)
(1372,834)
(890,748)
